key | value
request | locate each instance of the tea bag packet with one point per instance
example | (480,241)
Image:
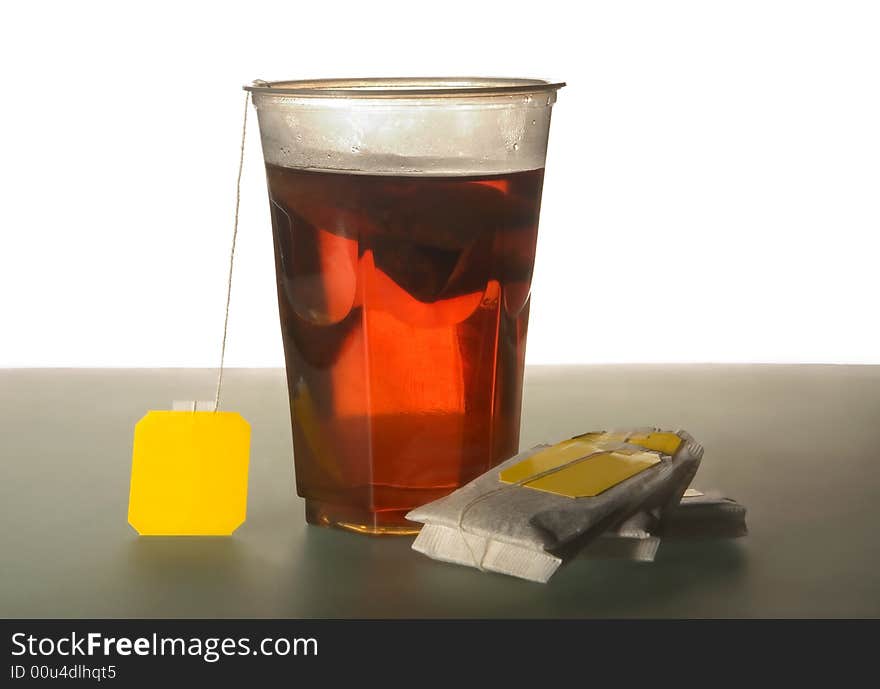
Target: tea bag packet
(698,516)
(706,515)
(524,517)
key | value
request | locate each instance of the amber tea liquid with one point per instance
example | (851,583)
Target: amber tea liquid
(404,306)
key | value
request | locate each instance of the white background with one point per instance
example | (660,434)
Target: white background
(712,188)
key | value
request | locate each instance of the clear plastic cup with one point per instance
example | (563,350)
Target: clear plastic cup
(404,215)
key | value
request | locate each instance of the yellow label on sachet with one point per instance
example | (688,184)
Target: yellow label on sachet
(659,441)
(589,464)
(189,473)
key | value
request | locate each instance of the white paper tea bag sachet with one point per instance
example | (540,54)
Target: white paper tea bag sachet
(529,514)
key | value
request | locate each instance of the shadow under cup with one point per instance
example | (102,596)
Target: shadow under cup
(405,216)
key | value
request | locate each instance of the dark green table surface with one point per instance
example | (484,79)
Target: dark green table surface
(797,444)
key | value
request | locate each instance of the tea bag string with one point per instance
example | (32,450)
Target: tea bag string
(232,251)
(478,563)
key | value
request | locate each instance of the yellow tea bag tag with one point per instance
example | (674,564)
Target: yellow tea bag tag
(189,466)
(589,464)
(189,473)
